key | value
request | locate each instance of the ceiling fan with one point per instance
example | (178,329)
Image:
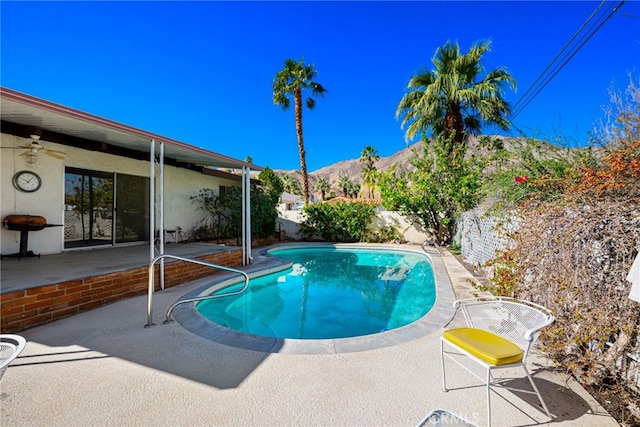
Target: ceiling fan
(35,147)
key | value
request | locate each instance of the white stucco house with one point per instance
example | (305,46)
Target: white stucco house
(93,182)
(293,202)
(290,202)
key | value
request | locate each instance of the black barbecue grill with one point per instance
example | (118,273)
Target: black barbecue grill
(24,224)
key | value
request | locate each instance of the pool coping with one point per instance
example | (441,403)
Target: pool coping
(438,317)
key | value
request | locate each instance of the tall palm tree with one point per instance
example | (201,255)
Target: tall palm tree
(322,186)
(369,157)
(454,97)
(369,178)
(343,184)
(291,82)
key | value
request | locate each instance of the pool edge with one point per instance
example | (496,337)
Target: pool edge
(438,317)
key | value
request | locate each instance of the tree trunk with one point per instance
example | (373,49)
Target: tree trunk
(453,122)
(297,96)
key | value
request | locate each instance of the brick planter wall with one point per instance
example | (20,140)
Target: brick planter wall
(24,309)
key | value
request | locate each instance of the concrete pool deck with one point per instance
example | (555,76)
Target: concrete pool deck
(104,368)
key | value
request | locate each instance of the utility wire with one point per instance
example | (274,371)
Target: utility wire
(534,90)
(531,88)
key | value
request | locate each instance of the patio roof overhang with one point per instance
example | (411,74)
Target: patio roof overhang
(21,114)
(28,111)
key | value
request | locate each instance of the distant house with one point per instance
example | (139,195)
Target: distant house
(293,202)
(92,179)
(290,202)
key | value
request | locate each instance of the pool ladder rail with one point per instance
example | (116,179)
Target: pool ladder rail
(202,298)
(431,243)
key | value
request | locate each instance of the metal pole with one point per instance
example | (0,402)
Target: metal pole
(161,208)
(248,185)
(150,296)
(152,225)
(244,230)
(152,197)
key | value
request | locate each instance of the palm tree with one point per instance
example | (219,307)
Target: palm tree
(369,157)
(453,97)
(290,185)
(353,189)
(369,178)
(294,79)
(322,186)
(343,184)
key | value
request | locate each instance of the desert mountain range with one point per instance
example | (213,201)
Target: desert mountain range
(353,167)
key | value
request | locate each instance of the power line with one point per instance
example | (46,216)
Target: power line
(554,68)
(531,88)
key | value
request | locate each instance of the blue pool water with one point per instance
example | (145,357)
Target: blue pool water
(330,293)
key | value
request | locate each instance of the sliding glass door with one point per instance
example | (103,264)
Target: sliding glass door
(132,208)
(103,208)
(88,198)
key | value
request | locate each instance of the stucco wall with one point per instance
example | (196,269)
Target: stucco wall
(48,201)
(289,221)
(179,186)
(408,229)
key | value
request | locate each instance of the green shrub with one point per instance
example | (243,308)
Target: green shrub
(338,222)
(227,208)
(437,186)
(385,234)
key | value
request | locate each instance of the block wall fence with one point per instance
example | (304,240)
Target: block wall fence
(27,308)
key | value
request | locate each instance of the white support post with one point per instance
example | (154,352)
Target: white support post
(152,199)
(244,219)
(248,212)
(161,208)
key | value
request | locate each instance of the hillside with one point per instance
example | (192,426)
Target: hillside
(352,168)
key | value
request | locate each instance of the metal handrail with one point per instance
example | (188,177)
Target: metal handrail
(431,243)
(206,297)
(206,264)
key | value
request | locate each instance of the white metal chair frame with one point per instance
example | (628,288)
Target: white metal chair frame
(10,347)
(516,320)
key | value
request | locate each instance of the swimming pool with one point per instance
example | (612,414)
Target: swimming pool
(263,263)
(330,292)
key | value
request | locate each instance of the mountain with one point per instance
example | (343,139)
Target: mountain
(352,168)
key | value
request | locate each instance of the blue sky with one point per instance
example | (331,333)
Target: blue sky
(202,72)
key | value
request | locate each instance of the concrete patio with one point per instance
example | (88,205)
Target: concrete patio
(104,368)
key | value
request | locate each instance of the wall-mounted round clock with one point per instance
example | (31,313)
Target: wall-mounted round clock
(27,181)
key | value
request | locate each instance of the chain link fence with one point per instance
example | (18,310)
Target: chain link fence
(481,235)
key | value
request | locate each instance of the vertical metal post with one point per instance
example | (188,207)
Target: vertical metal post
(150,296)
(244,219)
(248,213)
(152,226)
(161,208)
(152,199)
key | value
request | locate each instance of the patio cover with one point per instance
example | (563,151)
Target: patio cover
(26,110)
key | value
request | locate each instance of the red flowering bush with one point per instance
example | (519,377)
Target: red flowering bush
(577,236)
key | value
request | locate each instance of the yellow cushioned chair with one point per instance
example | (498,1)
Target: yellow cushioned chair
(499,334)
